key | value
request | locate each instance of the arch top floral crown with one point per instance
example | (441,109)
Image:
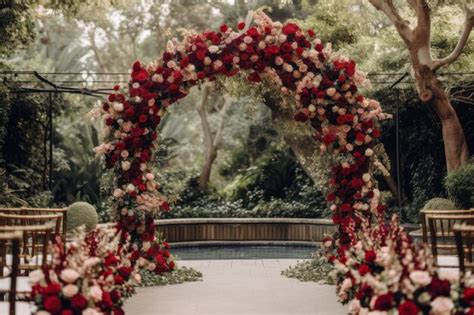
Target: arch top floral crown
(377,266)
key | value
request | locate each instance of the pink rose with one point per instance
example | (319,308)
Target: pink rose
(70,290)
(420,278)
(441,306)
(69,275)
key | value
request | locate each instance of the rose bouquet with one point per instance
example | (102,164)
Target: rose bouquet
(92,275)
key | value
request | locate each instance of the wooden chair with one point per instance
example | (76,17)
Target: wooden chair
(424,222)
(463,235)
(12,306)
(40,211)
(34,254)
(441,235)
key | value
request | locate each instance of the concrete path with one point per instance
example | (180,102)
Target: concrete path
(250,287)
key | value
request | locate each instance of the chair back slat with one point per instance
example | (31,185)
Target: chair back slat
(35,246)
(441,231)
(464,234)
(424,223)
(40,211)
(11,239)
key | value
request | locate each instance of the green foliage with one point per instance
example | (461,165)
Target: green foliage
(460,185)
(80,178)
(179,275)
(81,214)
(275,187)
(317,269)
(439,204)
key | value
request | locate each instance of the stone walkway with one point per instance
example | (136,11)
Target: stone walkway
(250,287)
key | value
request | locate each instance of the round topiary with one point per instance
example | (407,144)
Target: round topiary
(439,204)
(81,213)
(460,185)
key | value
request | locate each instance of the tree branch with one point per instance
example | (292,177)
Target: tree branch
(402,26)
(201,109)
(468,24)
(223,115)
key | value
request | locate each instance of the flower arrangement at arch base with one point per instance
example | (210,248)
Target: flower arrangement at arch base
(93,274)
(386,273)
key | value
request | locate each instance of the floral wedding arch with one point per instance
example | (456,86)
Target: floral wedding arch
(377,266)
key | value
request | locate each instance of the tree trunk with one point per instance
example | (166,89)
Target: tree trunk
(431,91)
(211,140)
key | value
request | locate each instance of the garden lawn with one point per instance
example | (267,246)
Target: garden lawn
(237,287)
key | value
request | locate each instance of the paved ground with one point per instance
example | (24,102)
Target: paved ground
(250,287)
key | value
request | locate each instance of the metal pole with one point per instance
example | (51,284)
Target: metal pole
(397,141)
(50,114)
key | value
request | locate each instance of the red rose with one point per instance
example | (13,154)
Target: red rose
(360,137)
(52,289)
(370,256)
(115,296)
(241,25)
(52,304)
(311,33)
(118,280)
(384,302)
(290,28)
(301,117)
(116,87)
(468,294)
(171,265)
(331,197)
(140,75)
(439,287)
(254,77)
(408,308)
(125,271)
(346,207)
(376,133)
(224,28)
(364,269)
(329,138)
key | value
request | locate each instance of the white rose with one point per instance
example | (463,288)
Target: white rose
(311,108)
(331,91)
(441,306)
(69,275)
(157,78)
(36,276)
(126,165)
(70,290)
(451,275)
(42,313)
(207,61)
(124,154)
(118,193)
(95,293)
(130,188)
(146,246)
(151,267)
(369,152)
(136,85)
(346,284)
(420,278)
(366,177)
(149,176)
(213,49)
(354,306)
(90,311)
(278,61)
(118,107)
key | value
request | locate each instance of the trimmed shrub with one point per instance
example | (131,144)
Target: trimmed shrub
(81,213)
(460,186)
(439,204)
